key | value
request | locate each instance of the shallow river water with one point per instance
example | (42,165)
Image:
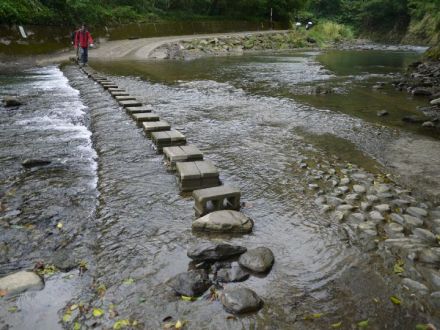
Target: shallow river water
(258,117)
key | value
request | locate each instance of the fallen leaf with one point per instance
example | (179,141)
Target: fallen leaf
(101,289)
(59,225)
(336,325)
(186,298)
(67,316)
(376,300)
(363,324)
(73,307)
(121,324)
(179,324)
(12,309)
(231,317)
(3,293)
(313,316)
(395,300)
(128,281)
(76,326)
(97,312)
(398,267)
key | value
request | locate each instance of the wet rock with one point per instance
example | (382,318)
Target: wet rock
(412,222)
(11,101)
(393,230)
(435,299)
(383,188)
(340,215)
(28,163)
(334,201)
(320,200)
(372,198)
(397,218)
(352,197)
(259,260)
(225,221)
(435,102)
(413,119)
(415,286)
(382,208)
(400,202)
(420,91)
(425,235)
(344,181)
(192,284)
(325,208)
(233,274)
(313,186)
(343,189)
(382,113)
(208,251)
(430,256)
(345,207)
(240,300)
(367,233)
(359,189)
(416,212)
(64,260)
(428,124)
(376,216)
(365,206)
(359,176)
(357,217)
(20,282)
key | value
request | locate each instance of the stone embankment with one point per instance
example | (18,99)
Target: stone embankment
(383,218)
(230,45)
(423,80)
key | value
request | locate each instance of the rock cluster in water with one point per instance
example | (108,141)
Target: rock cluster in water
(381,217)
(230,45)
(423,80)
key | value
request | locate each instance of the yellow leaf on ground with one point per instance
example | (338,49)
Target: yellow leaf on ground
(59,225)
(336,325)
(97,312)
(120,324)
(395,300)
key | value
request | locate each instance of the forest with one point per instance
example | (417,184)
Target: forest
(388,18)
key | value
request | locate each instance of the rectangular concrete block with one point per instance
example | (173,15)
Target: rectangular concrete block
(109,86)
(155,126)
(124,98)
(115,94)
(197,175)
(216,199)
(173,155)
(130,103)
(141,109)
(141,117)
(169,138)
(111,89)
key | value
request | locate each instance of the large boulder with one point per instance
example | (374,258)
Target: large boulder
(211,252)
(226,221)
(20,282)
(11,101)
(240,300)
(259,260)
(192,284)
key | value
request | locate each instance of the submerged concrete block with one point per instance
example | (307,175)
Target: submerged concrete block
(169,138)
(141,109)
(125,98)
(155,126)
(216,199)
(130,103)
(197,175)
(141,117)
(116,94)
(173,155)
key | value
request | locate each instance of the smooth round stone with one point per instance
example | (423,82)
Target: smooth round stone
(416,211)
(352,197)
(400,202)
(376,216)
(382,208)
(412,222)
(357,217)
(225,221)
(435,299)
(397,218)
(20,282)
(191,284)
(359,189)
(334,201)
(210,251)
(415,286)
(240,300)
(233,274)
(372,198)
(343,189)
(345,207)
(359,176)
(325,208)
(425,235)
(365,206)
(259,260)
(394,230)
(344,181)
(383,188)
(430,256)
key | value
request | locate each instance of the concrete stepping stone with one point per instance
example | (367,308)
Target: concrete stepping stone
(125,98)
(240,300)
(116,94)
(173,155)
(156,126)
(112,89)
(197,175)
(130,103)
(169,138)
(20,282)
(226,221)
(107,86)
(216,199)
(141,109)
(141,117)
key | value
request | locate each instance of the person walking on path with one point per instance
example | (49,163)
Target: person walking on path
(83,39)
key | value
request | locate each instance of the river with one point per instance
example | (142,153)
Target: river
(259,117)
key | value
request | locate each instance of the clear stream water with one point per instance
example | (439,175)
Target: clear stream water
(257,117)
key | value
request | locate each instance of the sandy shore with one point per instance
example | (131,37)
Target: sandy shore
(138,49)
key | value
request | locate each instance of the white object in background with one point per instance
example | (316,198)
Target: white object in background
(298,24)
(22,32)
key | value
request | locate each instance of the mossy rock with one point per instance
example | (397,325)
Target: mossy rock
(433,53)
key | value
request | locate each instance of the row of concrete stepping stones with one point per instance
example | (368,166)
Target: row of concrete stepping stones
(216,208)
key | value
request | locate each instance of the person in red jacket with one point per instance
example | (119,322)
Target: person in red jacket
(83,39)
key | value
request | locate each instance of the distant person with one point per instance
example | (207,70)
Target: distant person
(309,25)
(83,39)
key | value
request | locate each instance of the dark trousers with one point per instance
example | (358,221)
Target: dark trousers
(84,55)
